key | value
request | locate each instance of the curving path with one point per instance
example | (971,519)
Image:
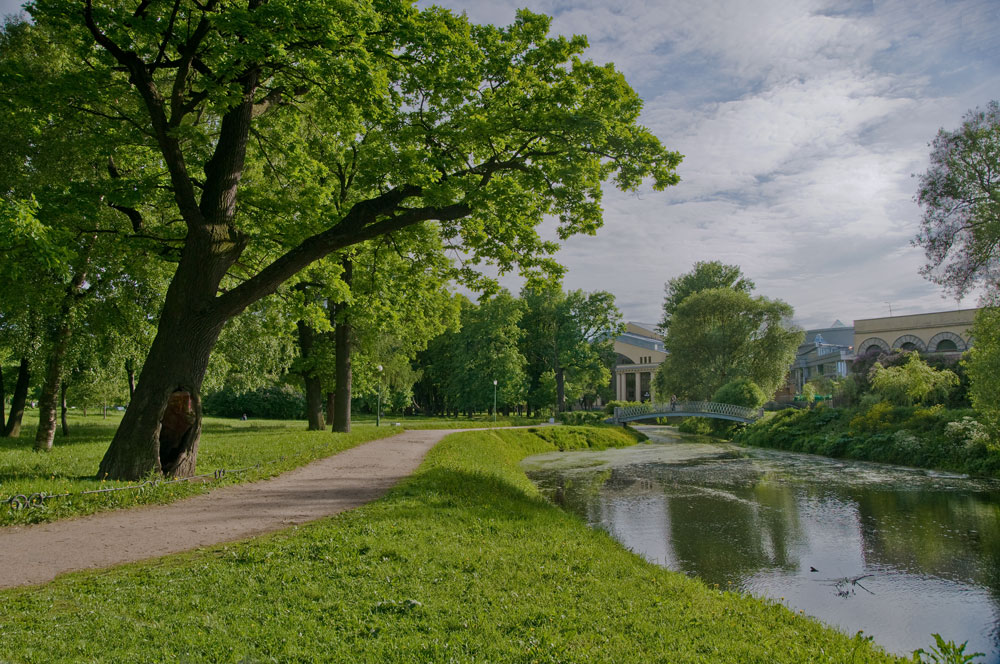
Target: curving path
(38,553)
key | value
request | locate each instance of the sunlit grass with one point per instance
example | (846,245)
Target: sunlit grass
(464,562)
(232,445)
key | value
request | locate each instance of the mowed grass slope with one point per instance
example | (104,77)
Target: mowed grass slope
(463,562)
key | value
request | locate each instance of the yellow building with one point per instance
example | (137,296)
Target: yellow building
(938,332)
(639,351)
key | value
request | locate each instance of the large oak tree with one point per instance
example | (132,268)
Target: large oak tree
(291,129)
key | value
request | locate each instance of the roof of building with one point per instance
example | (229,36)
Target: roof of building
(642,335)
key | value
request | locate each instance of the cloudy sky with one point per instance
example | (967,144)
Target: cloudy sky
(802,123)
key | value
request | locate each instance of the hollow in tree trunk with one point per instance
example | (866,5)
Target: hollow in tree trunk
(17,401)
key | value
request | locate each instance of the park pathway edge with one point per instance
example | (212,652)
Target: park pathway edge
(38,553)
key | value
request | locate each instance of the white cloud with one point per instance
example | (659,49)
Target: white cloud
(801,123)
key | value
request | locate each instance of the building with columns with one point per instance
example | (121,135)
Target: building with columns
(639,352)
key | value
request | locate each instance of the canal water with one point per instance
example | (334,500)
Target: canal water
(899,553)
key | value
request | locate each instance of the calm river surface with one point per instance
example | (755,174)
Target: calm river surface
(897,552)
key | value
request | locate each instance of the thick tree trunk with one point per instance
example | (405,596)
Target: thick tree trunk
(17,401)
(62,407)
(162,424)
(314,388)
(342,390)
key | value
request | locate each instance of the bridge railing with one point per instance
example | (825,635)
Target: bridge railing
(687,408)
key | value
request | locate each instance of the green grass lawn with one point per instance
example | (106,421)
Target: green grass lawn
(463,562)
(278,445)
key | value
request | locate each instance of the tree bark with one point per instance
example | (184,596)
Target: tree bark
(17,401)
(329,407)
(130,372)
(48,401)
(314,387)
(560,390)
(342,340)
(162,424)
(62,407)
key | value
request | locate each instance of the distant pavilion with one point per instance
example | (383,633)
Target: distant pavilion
(639,352)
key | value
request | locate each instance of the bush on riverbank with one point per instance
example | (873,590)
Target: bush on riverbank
(462,562)
(582,417)
(926,437)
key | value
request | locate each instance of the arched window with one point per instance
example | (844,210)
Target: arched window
(872,345)
(944,342)
(910,342)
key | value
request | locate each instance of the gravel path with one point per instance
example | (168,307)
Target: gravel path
(38,553)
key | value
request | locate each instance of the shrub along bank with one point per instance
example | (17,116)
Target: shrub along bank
(922,436)
(462,562)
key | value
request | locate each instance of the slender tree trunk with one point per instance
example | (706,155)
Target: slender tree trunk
(342,340)
(329,407)
(17,401)
(314,388)
(560,390)
(62,407)
(48,402)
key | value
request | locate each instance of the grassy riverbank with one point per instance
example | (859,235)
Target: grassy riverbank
(925,437)
(462,562)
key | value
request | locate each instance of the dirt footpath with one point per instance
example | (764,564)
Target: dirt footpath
(38,553)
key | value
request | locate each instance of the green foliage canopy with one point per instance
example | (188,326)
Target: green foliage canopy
(912,383)
(983,364)
(720,335)
(704,275)
(741,392)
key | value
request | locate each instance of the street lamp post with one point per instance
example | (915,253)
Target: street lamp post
(494,401)
(378,408)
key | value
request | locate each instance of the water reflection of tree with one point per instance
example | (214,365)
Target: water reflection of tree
(730,525)
(949,534)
